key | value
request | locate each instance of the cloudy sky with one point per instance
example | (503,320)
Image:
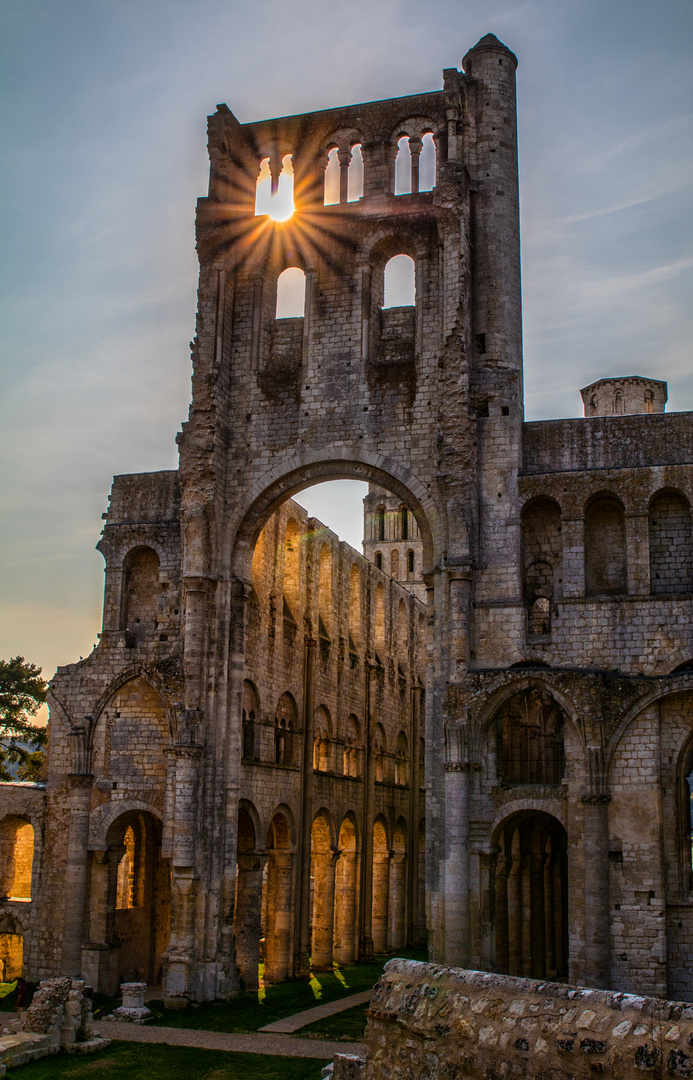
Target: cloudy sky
(103,145)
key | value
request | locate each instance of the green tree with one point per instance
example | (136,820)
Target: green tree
(22,692)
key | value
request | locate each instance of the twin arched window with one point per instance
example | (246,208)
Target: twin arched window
(415,164)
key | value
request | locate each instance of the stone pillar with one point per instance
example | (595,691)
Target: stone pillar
(415,150)
(365,952)
(278,930)
(457,769)
(248,914)
(180,955)
(100,953)
(380,901)
(638,553)
(460,584)
(413,861)
(597,967)
(306,822)
(324,865)
(344,157)
(75,884)
(397,900)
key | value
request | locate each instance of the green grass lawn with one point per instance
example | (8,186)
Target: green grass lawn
(251,1011)
(138,1061)
(349,1024)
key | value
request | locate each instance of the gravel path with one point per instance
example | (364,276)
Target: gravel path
(254,1042)
(290,1024)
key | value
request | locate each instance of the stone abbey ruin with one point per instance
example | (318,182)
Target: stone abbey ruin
(480,732)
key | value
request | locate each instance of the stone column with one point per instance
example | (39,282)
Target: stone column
(413,861)
(415,150)
(344,157)
(397,900)
(180,955)
(324,866)
(247,920)
(278,930)
(457,769)
(75,883)
(597,968)
(100,953)
(365,951)
(306,822)
(638,553)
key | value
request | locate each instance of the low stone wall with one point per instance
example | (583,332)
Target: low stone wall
(451,1024)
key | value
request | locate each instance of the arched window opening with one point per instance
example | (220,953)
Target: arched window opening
(250,715)
(401,761)
(619,408)
(540,617)
(16,857)
(403,523)
(354,607)
(410,564)
(352,754)
(649,401)
(321,740)
(284,730)
(278,206)
(355,182)
(394,564)
(125,890)
(381,522)
(141,591)
(379,753)
(427,163)
(542,557)
(291,293)
(399,283)
(332,183)
(403,167)
(671,544)
(378,560)
(529,739)
(605,547)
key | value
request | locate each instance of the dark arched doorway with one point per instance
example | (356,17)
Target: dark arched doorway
(530,886)
(139,896)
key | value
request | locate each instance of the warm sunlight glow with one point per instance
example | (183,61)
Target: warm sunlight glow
(279,207)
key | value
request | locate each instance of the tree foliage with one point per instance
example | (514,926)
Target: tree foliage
(22,692)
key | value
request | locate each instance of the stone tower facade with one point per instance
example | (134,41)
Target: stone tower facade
(555,703)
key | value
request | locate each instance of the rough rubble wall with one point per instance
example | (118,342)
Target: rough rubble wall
(451,1023)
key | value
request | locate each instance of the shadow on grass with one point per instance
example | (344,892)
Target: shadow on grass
(138,1061)
(350,1024)
(250,1011)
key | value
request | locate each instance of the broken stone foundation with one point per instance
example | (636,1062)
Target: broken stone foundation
(59,1018)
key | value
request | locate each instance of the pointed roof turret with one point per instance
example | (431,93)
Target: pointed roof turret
(489,41)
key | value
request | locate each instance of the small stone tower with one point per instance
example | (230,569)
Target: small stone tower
(625,396)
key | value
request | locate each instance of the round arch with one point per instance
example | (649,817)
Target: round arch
(681,684)
(294,472)
(498,697)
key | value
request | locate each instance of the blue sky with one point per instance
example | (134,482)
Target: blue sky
(103,145)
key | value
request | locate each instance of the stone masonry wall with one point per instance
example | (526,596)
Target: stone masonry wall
(429,1021)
